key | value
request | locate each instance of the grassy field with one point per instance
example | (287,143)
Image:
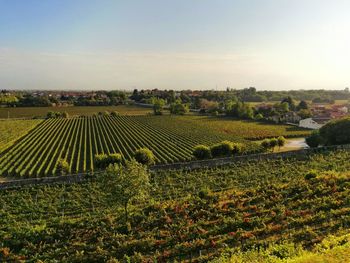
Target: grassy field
(30,112)
(226,126)
(77,140)
(195,215)
(11,130)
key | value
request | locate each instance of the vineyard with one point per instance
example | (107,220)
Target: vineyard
(11,130)
(30,112)
(251,130)
(193,215)
(77,140)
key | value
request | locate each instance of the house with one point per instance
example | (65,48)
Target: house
(289,117)
(314,123)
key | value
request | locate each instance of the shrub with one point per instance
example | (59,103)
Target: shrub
(104,160)
(145,156)
(222,149)
(314,140)
(65,115)
(62,167)
(115,113)
(202,152)
(237,148)
(115,158)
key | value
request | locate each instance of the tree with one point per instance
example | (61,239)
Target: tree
(145,156)
(266,144)
(304,113)
(178,108)
(62,167)
(314,140)
(126,184)
(158,105)
(222,149)
(303,105)
(201,152)
(281,141)
(336,132)
(273,143)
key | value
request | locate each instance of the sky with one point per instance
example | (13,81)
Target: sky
(174,44)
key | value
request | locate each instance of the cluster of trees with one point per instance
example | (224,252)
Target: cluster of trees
(270,144)
(143,156)
(176,107)
(222,149)
(335,132)
(100,98)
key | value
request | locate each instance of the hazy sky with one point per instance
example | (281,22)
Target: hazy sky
(174,44)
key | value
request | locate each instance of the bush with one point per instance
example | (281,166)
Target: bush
(115,158)
(237,148)
(115,113)
(314,140)
(201,152)
(145,156)
(103,160)
(222,149)
(65,115)
(62,167)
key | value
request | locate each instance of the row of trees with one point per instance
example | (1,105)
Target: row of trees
(143,156)
(271,144)
(222,149)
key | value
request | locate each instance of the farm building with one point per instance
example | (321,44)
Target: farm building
(313,123)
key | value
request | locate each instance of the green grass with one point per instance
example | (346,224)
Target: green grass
(30,112)
(11,130)
(227,126)
(246,205)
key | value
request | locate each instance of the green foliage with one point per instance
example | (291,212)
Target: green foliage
(62,167)
(65,114)
(127,184)
(336,132)
(104,160)
(201,152)
(144,156)
(314,140)
(179,108)
(158,105)
(266,144)
(281,141)
(115,113)
(222,149)
(240,110)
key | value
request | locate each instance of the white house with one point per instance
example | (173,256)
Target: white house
(313,123)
